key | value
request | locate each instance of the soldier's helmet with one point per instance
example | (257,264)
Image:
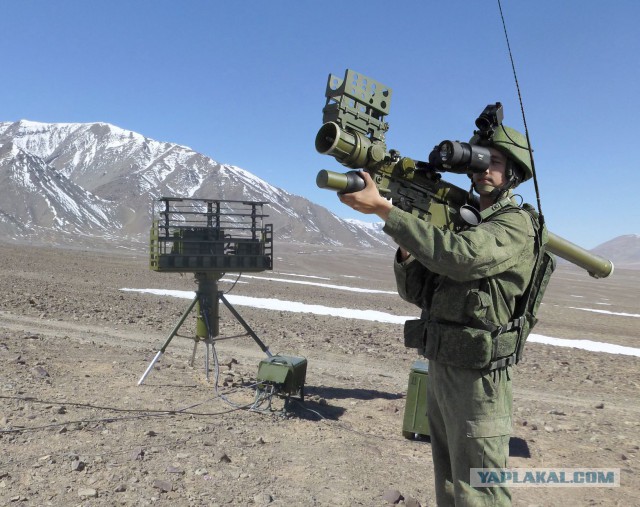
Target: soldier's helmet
(513,144)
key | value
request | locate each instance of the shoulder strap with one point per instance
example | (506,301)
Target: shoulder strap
(499,206)
(524,313)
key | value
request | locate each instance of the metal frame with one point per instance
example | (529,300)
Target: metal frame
(209,237)
(197,235)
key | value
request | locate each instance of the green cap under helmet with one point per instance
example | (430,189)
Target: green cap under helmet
(513,144)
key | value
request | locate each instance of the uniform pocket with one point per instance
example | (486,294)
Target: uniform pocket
(487,428)
(414,333)
(476,307)
(461,346)
(488,442)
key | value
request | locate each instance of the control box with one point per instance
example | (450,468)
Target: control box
(415,423)
(286,373)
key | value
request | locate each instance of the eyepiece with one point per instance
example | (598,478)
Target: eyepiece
(460,158)
(489,120)
(483,123)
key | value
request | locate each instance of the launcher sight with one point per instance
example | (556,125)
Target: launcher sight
(353,132)
(354,127)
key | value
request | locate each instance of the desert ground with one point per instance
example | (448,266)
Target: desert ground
(77,429)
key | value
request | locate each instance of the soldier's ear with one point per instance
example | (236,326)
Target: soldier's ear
(513,171)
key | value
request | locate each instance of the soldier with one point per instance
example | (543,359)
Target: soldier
(467,283)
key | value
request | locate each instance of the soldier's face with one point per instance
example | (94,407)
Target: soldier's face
(494,176)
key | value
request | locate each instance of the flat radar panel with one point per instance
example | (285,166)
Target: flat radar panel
(209,235)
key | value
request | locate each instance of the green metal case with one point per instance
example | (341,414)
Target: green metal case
(286,373)
(415,421)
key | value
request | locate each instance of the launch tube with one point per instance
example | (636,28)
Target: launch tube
(596,266)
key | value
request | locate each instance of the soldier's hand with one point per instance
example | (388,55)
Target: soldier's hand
(368,200)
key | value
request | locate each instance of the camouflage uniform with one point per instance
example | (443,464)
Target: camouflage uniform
(467,283)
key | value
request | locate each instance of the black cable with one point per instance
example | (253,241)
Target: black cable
(259,397)
(234,283)
(140,413)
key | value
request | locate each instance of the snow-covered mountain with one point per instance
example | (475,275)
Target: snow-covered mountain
(62,180)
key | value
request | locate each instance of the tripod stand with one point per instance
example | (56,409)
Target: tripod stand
(207,300)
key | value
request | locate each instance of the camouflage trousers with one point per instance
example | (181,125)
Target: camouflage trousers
(469,414)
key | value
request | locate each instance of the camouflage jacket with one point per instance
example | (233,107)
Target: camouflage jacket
(467,283)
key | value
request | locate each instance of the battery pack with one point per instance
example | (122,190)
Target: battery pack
(415,423)
(286,373)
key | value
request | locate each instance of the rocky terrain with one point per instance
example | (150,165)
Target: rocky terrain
(76,429)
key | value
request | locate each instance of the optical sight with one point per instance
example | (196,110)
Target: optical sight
(489,120)
(460,158)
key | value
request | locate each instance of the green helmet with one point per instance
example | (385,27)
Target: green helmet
(513,144)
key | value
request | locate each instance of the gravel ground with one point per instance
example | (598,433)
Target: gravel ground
(76,429)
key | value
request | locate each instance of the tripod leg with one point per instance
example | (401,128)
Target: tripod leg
(166,343)
(193,354)
(206,360)
(264,348)
(146,372)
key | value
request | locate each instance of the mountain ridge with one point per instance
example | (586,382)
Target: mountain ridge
(112,175)
(96,181)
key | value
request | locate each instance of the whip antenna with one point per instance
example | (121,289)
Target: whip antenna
(524,119)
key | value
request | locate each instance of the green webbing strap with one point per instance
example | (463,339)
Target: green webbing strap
(503,363)
(502,203)
(512,324)
(518,323)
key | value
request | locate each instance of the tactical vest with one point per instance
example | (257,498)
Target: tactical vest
(488,346)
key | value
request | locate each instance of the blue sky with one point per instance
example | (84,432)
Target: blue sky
(243,82)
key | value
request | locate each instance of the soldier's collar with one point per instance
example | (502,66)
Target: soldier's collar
(502,203)
(471,216)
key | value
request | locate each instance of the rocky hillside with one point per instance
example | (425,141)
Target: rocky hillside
(98,181)
(624,251)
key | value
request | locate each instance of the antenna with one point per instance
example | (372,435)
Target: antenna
(524,118)
(209,237)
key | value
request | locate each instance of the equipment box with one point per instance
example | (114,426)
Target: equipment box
(415,421)
(286,373)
